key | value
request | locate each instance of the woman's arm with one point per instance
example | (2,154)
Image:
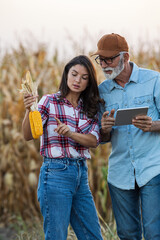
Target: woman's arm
(26,127)
(87,140)
(28,102)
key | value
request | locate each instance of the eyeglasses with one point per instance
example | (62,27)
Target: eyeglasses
(99,59)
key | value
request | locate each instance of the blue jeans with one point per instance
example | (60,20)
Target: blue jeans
(130,206)
(65,197)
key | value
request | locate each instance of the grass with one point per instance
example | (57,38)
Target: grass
(28,230)
(33,230)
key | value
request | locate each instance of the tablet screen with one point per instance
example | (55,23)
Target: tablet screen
(125,116)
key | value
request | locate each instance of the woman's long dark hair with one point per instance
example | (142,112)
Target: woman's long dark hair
(90,95)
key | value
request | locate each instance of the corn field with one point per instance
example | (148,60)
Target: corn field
(20,161)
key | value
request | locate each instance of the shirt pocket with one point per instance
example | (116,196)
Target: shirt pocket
(144,101)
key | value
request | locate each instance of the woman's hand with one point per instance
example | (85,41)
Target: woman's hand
(62,129)
(87,140)
(29,100)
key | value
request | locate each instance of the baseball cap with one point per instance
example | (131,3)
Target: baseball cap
(110,45)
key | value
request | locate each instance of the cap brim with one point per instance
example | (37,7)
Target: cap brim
(106,53)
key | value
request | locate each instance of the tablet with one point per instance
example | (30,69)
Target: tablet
(125,116)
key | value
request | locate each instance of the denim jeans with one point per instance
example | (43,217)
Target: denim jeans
(65,197)
(134,207)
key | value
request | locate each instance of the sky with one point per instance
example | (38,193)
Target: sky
(65,24)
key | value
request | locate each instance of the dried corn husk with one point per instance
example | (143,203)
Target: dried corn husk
(33,165)
(30,87)
(8,180)
(32,179)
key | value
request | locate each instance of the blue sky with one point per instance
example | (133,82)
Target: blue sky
(85,21)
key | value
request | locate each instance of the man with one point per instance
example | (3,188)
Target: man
(134,162)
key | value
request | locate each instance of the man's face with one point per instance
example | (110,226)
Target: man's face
(112,70)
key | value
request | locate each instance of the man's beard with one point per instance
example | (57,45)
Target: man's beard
(115,71)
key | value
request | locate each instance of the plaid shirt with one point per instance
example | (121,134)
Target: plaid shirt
(58,146)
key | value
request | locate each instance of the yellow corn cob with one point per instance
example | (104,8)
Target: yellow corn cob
(36,124)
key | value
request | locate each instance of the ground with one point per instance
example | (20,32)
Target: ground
(6,234)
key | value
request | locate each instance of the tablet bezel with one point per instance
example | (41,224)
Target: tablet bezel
(125,116)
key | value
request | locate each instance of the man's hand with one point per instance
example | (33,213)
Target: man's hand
(62,129)
(107,121)
(143,122)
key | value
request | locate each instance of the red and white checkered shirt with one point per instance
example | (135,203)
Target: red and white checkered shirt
(58,146)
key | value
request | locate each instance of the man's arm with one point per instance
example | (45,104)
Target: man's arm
(105,137)
(155,126)
(146,124)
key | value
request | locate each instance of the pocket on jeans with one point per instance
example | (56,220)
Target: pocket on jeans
(56,167)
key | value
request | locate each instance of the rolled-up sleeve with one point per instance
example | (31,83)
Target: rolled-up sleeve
(44,108)
(90,126)
(96,133)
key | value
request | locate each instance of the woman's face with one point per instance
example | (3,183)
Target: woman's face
(78,78)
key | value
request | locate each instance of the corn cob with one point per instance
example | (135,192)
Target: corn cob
(34,116)
(36,124)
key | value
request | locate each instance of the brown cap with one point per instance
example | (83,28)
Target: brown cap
(110,45)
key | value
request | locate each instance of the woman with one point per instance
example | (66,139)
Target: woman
(70,127)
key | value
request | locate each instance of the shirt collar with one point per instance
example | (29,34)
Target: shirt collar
(80,102)
(135,73)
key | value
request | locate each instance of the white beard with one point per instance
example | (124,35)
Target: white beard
(115,71)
